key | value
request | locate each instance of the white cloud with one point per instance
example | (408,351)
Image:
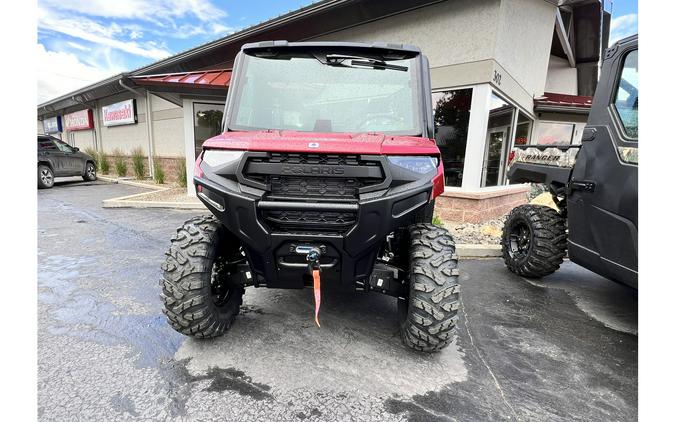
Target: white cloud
(147,10)
(622,27)
(89,30)
(77,46)
(217,29)
(59,73)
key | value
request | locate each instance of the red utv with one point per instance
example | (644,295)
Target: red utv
(325,177)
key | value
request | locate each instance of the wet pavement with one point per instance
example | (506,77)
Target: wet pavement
(563,348)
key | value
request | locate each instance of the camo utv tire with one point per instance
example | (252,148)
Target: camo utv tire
(195,301)
(534,240)
(429,315)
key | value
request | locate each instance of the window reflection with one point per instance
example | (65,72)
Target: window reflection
(523,130)
(451,121)
(207,119)
(550,133)
(626,100)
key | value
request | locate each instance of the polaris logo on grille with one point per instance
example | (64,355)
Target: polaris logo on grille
(313,170)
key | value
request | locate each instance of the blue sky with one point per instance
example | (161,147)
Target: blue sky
(84,41)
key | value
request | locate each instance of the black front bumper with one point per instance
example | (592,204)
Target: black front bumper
(347,257)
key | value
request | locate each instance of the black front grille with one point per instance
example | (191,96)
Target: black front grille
(301,177)
(309,221)
(287,187)
(319,159)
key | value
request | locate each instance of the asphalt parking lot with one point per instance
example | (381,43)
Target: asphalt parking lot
(556,350)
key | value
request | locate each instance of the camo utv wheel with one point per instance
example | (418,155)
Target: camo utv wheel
(200,300)
(429,315)
(534,240)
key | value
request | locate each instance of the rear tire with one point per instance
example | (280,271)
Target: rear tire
(430,312)
(45,177)
(196,301)
(89,172)
(534,240)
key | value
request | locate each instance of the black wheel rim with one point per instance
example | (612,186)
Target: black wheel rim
(519,240)
(91,171)
(46,176)
(224,268)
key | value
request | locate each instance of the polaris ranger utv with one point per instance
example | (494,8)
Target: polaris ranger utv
(594,185)
(324,177)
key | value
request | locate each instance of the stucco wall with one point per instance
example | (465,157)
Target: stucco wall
(451,32)
(523,46)
(82,139)
(168,131)
(561,78)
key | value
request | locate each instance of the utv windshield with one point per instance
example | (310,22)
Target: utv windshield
(327,93)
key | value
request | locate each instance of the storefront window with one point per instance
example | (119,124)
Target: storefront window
(207,118)
(551,133)
(523,130)
(497,142)
(451,120)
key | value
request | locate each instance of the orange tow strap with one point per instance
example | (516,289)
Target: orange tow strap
(317,295)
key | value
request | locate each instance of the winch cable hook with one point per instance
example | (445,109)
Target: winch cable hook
(313,257)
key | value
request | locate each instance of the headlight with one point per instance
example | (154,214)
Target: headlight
(220,157)
(416,164)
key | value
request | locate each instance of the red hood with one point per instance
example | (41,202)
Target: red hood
(328,143)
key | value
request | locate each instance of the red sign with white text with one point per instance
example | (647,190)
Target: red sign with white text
(79,120)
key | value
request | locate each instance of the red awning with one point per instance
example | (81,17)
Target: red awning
(218,79)
(551,100)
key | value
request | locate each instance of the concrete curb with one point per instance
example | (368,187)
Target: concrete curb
(466,250)
(129,201)
(133,182)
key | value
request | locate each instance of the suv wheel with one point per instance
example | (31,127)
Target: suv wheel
(89,172)
(429,315)
(198,299)
(534,240)
(45,177)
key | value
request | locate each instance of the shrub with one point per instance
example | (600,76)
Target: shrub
(138,163)
(182,172)
(120,163)
(436,221)
(103,163)
(159,170)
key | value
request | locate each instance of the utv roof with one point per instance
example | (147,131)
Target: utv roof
(407,48)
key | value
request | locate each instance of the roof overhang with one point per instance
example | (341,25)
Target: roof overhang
(562,103)
(82,96)
(208,82)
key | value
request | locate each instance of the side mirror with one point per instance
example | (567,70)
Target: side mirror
(75,149)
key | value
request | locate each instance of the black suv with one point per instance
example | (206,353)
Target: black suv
(58,159)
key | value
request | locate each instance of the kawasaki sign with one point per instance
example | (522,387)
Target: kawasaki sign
(122,113)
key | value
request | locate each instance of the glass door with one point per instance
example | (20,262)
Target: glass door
(494,151)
